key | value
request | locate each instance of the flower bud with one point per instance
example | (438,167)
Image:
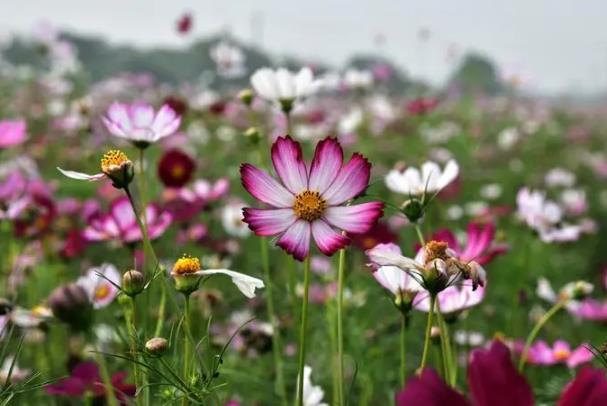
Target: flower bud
(253,134)
(185,274)
(246,96)
(118,167)
(413,209)
(577,290)
(286,105)
(435,334)
(70,303)
(404,301)
(133,283)
(157,346)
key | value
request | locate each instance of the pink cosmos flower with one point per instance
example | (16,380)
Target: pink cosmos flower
(591,309)
(120,223)
(140,124)
(310,201)
(97,284)
(454,298)
(541,353)
(12,132)
(479,244)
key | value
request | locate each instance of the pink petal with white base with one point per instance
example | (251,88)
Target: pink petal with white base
(327,162)
(123,214)
(266,222)
(289,165)
(327,239)
(166,122)
(356,219)
(81,176)
(351,181)
(580,355)
(265,188)
(296,240)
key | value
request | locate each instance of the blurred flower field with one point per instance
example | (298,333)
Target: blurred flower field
(312,238)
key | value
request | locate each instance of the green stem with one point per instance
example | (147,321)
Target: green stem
(279,386)
(403,349)
(144,232)
(302,333)
(130,321)
(161,310)
(446,348)
(420,235)
(422,364)
(340,326)
(186,344)
(110,396)
(536,329)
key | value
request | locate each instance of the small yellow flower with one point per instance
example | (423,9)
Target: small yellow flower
(114,160)
(185,272)
(186,265)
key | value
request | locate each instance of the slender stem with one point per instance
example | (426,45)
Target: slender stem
(403,349)
(142,227)
(186,344)
(446,348)
(536,329)
(130,323)
(110,396)
(302,333)
(340,326)
(279,386)
(161,310)
(422,364)
(288,118)
(420,235)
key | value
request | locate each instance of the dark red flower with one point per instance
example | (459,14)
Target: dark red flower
(175,168)
(588,388)
(429,389)
(421,106)
(85,378)
(379,234)
(74,244)
(184,24)
(177,104)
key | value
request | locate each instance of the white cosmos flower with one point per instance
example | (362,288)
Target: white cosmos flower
(245,283)
(560,177)
(358,79)
(415,182)
(312,394)
(229,59)
(231,219)
(282,85)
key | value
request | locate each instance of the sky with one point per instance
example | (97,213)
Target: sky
(551,45)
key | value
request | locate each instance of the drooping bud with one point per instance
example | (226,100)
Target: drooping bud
(118,167)
(133,283)
(413,209)
(157,346)
(71,304)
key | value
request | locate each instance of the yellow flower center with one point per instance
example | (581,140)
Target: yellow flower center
(186,265)
(102,292)
(112,160)
(309,205)
(561,355)
(436,250)
(178,171)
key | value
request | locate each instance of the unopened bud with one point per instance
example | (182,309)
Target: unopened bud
(71,304)
(133,283)
(413,209)
(157,346)
(246,96)
(253,134)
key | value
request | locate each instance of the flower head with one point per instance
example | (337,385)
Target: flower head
(12,132)
(229,59)
(175,168)
(417,182)
(100,284)
(140,124)
(114,164)
(541,353)
(283,86)
(310,202)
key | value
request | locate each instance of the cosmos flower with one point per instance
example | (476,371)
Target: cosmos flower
(100,284)
(452,299)
(10,372)
(479,246)
(85,379)
(571,292)
(229,59)
(115,165)
(283,86)
(120,223)
(590,309)
(13,197)
(12,132)
(140,124)
(232,220)
(492,380)
(421,106)
(357,79)
(312,394)
(175,168)
(429,179)
(541,353)
(310,202)
(187,273)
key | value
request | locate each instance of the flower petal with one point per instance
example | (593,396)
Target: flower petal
(265,188)
(296,240)
(289,165)
(245,283)
(385,255)
(327,239)
(352,180)
(325,166)
(268,222)
(81,176)
(356,219)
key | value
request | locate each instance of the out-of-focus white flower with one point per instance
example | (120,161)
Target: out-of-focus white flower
(441,133)
(455,212)
(574,201)
(229,59)
(572,292)
(283,86)
(350,121)
(16,373)
(559,177)
(508,137)
(231,219)
(491,191)
(312,394)
(96,283)
(468,338)
(415,182)
(358,79)
(477,208)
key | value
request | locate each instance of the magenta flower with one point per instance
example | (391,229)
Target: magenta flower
(12,132)
(140,124)
(492,379)
(120,223)
(589,388)
(480,245)
(85,379)
(590,309)
(310,201)
(452,299)
(541,353)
